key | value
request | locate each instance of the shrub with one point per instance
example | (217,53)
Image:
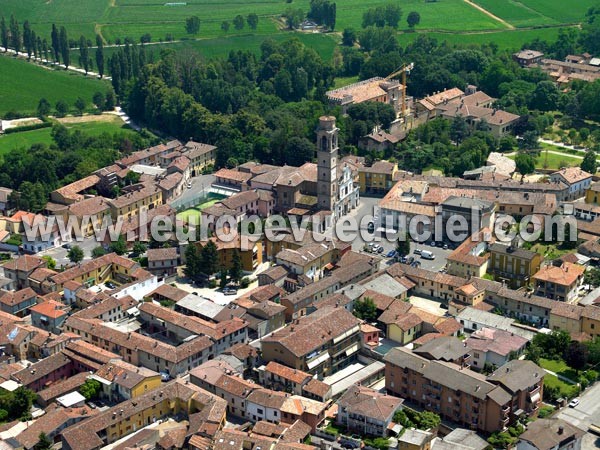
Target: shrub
(545,411)
(34,126)
(245,282)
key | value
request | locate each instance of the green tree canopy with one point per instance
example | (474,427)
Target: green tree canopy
(365,309)
(75,254)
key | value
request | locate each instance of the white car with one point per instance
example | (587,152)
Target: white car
(574,403)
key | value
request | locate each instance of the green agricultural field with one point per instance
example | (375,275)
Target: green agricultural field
(506,40)
(132,18)
(22,84)
(562,11)
(26,139)
(516,13)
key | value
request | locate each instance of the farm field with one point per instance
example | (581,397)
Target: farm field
(132,18)
(26,139)
(506,40)
(23,84)
(516,13)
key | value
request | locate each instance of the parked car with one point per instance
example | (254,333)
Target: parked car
(411,260)
(573,403)
(432,243)
(404,260)
(417,251)
(67,246)
(391,253)
(445,247)
(375,248)
(347,443)
(110,285)
(229,290)
(380,249)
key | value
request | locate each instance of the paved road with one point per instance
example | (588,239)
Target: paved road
(199,183)
(587,412)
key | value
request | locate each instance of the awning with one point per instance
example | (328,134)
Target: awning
(352,349)
(315,362)
(535,397)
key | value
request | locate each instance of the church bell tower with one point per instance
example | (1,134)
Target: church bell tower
(327,155)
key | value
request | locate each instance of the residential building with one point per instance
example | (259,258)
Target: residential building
(563,72)
(551,434)
(378,178)
(18,303)
(123,381)
(470,258)
(378,141)
(19,269)
(592,195)
(163,261)
(168,400)
(91,213)
(366,411)
(576,179)
(134,200)
(514,265)
(475,213)
(279,377)
(527,58)
(320,343)
(251,257)
(559,283)
(414,439)
(49,315)
(374,89)
(200,155)
(494,348)
(459,394)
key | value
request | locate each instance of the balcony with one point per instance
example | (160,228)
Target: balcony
(506,410)
(533,389)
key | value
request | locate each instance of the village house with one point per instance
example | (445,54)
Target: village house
(367,411)
(49,315)
(576,179)
(494,348)
(120,380)
(18,303)
(163,261)
(560,283)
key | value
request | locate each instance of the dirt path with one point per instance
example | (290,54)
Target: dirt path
(106,117)
(486,12)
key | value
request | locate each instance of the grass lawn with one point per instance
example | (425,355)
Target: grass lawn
(344,81)
(559,367)
(26,139)
(23,84)
(550,251)
(553,161)
(566,390)
(560,10)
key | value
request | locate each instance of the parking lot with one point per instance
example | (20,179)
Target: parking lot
(366,207)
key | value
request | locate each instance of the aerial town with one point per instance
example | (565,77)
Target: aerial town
(270,261)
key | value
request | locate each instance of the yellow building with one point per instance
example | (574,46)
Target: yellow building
(168,400)
(251,257)
(592,195)
(514,265)
(200,156)
(470,258)
(123,381)
(566,317)
(131,203)
(590,321)
(89,214)
(378,178)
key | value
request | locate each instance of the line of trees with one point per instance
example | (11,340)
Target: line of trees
(381,16)
(323,12)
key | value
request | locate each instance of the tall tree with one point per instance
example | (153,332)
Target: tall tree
(403,245)
(193,263)
(225,26)
(45,49)
(64,47)
(590,163)
(252,20)
(235,272)
(210,258)
(192,25)
(238,22)
(100,55)
(365,309)
(84,54)
(576,355)
(43,108)
(4,34)
(15,34)
(525,164)
(27,39)
(349,37)
(413,19)
(75,254)
(55,40)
